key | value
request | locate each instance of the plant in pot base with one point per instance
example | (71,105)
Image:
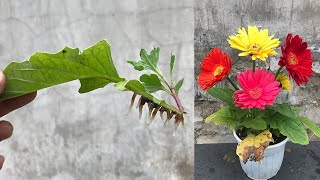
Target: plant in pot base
(260,126)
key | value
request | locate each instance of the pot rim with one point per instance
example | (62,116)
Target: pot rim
(269,147)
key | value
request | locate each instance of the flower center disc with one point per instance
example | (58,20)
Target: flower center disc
(255,92)
(254,49)
(218,70)
(292,59)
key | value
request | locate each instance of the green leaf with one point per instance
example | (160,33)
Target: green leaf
(285,109)
(172,60)
(223,94)
(290,127)
(137,65)
(257,123)
(148,61)
(223,116)
(311,125)
(44,70)
(152,83)
(178,86)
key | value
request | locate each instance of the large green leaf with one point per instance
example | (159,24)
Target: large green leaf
(257,123)
(290,127)
(285,109)
(223,94)
(311,125)
(223,116)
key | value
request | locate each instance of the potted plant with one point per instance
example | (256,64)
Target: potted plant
(260,126)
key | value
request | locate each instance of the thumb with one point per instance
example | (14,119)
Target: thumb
(2,82)
(1,161)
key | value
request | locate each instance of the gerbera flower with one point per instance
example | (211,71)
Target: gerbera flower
(257,44)
(259,89)
(284,82)
(214,68)
(297,59)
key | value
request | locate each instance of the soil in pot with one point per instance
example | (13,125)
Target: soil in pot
(242,134)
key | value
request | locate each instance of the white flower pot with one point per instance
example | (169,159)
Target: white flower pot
(271,163)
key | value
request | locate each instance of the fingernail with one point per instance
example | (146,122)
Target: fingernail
(2,81)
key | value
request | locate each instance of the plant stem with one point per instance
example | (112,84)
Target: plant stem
(174,95)
(253,65)
(232,83)
(150,97)
(279,70)
(172,92)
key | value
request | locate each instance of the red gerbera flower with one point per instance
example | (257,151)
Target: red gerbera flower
(259,89)
(215,67)
(297,59)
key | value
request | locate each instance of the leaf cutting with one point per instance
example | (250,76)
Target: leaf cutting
(94,68)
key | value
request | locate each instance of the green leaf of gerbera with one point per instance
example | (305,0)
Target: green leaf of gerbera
(152,83)
(94,68)
(311,125)
(178,86)
(223,116)
(148,61)
(257,123)
(285,109)
(172,60)
(223,94)
(290,127)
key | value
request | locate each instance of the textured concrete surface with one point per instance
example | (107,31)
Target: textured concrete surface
(215,20)
(63,135)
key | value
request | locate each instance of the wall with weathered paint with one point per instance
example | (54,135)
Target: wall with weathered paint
(215,20)
(63,135)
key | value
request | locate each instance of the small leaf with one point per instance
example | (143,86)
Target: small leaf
(311,125)
(257,123)
(148,61)
(178,86)
(290,127)
(172,60)
(137,65)
(254,145)
(152,83)
(223,94)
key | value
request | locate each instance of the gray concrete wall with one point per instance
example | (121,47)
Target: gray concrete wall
(63,135)
(215,20)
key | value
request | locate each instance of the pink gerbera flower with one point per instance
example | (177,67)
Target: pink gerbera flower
(259,89)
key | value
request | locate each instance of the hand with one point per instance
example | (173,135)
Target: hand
(8,106)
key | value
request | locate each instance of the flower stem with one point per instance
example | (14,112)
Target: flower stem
(254,65)
(232,83)
(279,70)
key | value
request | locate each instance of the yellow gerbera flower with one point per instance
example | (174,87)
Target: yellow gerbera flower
(257,44)
(285,82)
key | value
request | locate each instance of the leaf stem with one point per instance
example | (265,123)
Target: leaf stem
(172,91)
(232,83)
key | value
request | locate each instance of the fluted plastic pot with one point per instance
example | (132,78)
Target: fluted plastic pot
(271,163)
